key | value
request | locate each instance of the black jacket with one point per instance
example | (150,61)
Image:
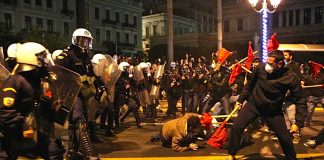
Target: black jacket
(267,92)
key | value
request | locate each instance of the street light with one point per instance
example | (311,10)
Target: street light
(264,11)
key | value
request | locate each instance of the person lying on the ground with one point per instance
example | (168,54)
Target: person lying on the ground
(180,134)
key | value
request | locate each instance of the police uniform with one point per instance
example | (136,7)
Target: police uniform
(75,59)
(24,110)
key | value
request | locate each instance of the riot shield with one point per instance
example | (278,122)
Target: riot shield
(138,73)
(1,56)
(155,90)
(109,72)
(4,74)
(65,86)
(144,97)
(143,94)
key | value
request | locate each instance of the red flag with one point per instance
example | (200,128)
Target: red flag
(219,137)
(273,44)
(316,68)
(222,55)
(236,71)
(206,120)
(248,62)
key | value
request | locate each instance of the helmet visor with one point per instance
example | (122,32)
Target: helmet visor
(84,42)
(45,58)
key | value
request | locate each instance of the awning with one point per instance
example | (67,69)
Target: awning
(302,47)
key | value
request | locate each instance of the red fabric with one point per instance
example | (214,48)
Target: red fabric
(273,44)
(316,68)
(222,55)
(206,120)
(219,137)
(236,71)
(248,62)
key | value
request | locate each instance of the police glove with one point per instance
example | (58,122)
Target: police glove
(294,129)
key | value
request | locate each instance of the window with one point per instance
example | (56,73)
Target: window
(284,18)
(65,5)
(135,21)
(240,25)
(108,35)
(66,28)
(107,14)
(8,20)
(38,2)
(127,37)
(27,1)
(28,22)
(49,4)
(147,31)
(50,25)
(275,20)
(97,15)
(135,40)
(126,18)
(39,23)
(226,26)
(117,37)
(297,17)
(307,16)
(318,15)
(117,17)
(154,30)
(97,34)
(291,18)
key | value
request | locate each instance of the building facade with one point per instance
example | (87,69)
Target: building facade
(49,16)
(116,25)
(195,23)
(294,21)
(155,27)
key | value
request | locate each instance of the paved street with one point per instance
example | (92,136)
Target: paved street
(131,142)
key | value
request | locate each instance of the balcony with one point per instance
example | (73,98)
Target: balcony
(67,12)
(127,25)
(108,21)
(9,2)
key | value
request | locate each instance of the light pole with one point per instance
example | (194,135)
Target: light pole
(264,11)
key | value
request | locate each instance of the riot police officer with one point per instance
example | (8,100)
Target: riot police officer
(26,110)
(76,58)
(126,94)
(106,109)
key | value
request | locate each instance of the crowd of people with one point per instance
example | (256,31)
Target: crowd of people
(205,85)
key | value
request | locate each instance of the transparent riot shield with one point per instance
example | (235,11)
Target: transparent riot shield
(1,56)
(65,86)
(109,72)
(143,94)
(138,73)
(4,74)
(155,89)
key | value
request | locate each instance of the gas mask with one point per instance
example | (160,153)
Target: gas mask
(269,68)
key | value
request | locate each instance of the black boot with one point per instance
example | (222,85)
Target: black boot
(92,132)
(138,119)
(72,149)
(109,131)
(84,140)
